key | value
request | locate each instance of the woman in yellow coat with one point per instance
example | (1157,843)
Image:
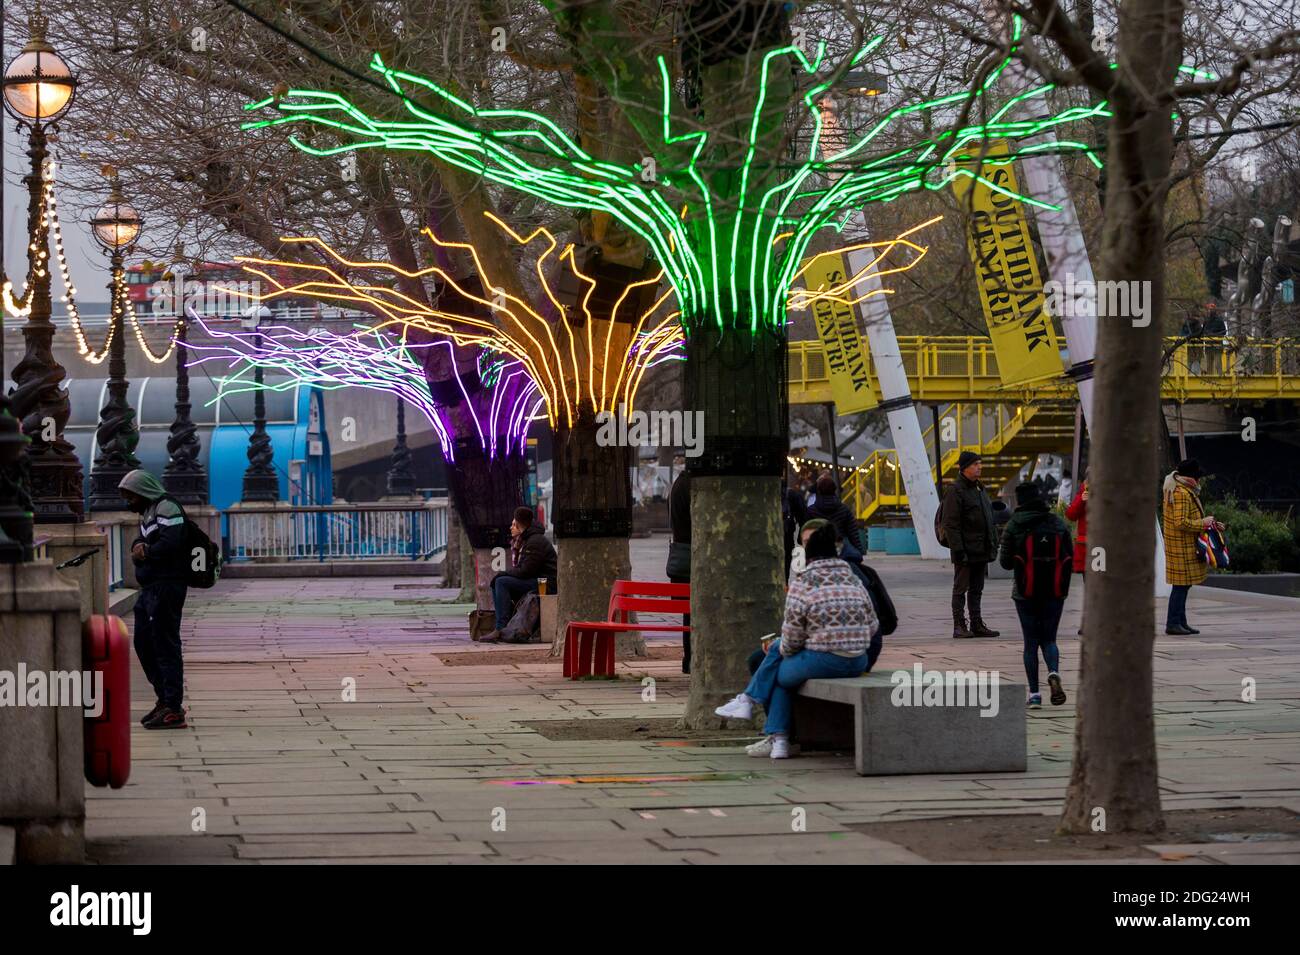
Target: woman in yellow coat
(1184,519)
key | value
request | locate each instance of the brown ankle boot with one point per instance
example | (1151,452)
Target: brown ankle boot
(980,629)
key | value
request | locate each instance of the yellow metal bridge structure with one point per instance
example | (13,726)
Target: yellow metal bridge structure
(1011,425)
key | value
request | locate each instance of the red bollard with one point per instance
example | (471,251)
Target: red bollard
(106,650)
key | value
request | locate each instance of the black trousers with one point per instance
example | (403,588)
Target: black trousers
(968,586)
(158,639)
(686,622)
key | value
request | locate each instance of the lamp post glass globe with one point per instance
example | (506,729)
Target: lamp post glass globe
(116,225)
(38,85)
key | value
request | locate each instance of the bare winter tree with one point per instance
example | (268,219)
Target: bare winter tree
(1181,70)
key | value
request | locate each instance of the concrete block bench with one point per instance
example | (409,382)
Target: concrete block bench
(898,729)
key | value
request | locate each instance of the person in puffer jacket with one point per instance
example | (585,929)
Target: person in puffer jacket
(827,629)
(161,560)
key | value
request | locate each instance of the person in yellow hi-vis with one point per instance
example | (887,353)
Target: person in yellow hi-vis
(1184,519)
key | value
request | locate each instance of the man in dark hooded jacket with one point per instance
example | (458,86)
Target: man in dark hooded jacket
(161,560)
(966,518)
(828,506)
(531,558)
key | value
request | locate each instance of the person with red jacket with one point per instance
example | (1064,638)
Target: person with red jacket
(1078,512)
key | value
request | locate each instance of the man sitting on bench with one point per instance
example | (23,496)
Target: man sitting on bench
(531,558)
(827,629)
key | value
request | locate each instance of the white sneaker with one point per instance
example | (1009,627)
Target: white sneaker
(763,748)
(780,747)
(741,708)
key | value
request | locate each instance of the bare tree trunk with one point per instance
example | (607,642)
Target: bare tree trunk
(588,568)
(482,571)
(593,518)
(1114,782)
(737,585)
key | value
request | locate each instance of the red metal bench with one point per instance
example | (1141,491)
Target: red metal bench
(589,645)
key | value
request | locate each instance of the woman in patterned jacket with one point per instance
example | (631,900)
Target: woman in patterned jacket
(827,629)
(1184,519)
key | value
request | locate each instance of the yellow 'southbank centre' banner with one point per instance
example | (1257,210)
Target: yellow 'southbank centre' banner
(1011,289)
(837,327)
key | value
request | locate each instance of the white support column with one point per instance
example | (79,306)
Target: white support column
(891,376)
(896,399)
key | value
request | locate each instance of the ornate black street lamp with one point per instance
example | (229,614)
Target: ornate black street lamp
(116,227)
(260,482)
(184,477)
(401,479)
(38,88)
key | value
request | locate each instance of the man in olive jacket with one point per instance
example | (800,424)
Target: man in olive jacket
(966,520)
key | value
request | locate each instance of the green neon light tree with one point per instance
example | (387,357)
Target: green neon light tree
(729,238)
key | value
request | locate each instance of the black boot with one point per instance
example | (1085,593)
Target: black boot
(959,629)
(978,627)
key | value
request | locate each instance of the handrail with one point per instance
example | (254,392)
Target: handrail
(949,367)
(415,530)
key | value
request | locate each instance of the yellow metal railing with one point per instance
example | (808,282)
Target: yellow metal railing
(955,368)
(878,481)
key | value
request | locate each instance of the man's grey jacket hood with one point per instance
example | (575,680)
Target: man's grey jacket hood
(143,483)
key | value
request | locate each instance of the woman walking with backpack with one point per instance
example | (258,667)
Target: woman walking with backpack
(1036,545)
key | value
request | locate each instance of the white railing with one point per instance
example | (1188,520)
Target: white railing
(114,552)
(386,531)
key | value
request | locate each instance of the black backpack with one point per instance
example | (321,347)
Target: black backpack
(885,612)
(201,551)
(526,623)
(1044,561)
(939,534)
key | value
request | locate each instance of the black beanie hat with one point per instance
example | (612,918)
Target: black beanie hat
(966,459)
(1190,467)
(1028,493)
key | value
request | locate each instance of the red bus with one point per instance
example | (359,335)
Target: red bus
(216,290)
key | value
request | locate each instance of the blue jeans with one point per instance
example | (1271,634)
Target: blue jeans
(1177,615)
(873,651)
(506,591)
(778,677)
(1038,623)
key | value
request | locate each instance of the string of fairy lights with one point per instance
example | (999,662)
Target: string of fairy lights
(120,304)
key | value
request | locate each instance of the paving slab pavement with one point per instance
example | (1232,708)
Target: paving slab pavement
(433,763)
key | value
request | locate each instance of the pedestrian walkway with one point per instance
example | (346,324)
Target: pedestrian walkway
(433,763)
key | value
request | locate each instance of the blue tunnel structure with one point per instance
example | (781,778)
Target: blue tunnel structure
(294,419)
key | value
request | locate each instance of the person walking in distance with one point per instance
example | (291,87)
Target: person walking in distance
(828,506)
(1036,545)
(160,560)
(678,568)
(966,519)
(1078,512)
(1184,519)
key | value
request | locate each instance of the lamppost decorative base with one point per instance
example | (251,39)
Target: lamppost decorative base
(260,488)
(188,487)
(104,493)
(57,491)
